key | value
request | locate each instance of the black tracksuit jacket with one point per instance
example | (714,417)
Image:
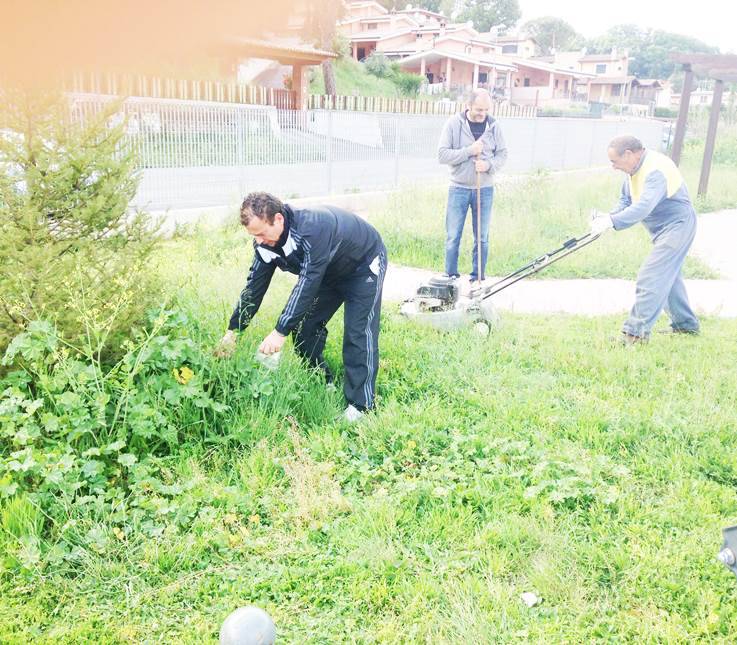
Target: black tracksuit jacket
(320,244)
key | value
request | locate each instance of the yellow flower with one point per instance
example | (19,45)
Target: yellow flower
(183,375)
(230,518)
(254,519)
(118,533)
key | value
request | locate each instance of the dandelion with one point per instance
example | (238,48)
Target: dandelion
(254,519)
(183,375)
(118,533)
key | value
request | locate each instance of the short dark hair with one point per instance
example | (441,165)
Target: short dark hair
(625,142)
(261,205)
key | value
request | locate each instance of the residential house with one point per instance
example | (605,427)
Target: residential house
(537,82)
(520,46)
(451,56)
(611,84)
(454,57)
(702,96)
(651,92)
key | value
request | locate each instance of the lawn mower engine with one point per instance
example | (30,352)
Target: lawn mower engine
(438,303)
(439,293)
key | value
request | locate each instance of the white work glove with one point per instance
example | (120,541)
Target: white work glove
(600,222)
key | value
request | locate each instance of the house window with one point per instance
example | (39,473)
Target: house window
(509,49)
(371,25)
(526,82)
(483,77)
(601,68)
(556,83)
(361,53)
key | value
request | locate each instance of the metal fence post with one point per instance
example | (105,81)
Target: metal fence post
(396,150)
(329,152)
(240,151)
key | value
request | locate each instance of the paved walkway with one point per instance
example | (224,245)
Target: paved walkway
(714,244)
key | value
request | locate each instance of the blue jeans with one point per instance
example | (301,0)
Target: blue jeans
(660,283)
(459,199)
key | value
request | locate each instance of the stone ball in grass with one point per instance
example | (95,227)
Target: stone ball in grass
(248,626)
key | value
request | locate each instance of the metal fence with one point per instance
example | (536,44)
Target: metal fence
(444,107)
(195,154)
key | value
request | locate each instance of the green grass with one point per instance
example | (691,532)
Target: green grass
(530,217)
(416,526)
(352,79)
(543,459)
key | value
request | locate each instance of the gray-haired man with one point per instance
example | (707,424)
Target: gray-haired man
(655,194)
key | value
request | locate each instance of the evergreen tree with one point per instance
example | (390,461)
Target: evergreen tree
(70,245)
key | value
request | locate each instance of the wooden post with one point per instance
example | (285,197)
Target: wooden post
(680,134)
(711,134)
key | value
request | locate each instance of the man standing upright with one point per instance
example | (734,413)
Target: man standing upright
(472,145)
(655,194)
(339,259)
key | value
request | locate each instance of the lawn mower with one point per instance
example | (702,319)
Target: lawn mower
(440,304)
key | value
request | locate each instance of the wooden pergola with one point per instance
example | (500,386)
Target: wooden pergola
(723,69)
(300,57)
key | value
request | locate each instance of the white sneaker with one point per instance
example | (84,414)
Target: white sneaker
(352,414)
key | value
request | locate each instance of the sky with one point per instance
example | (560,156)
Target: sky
(712,21)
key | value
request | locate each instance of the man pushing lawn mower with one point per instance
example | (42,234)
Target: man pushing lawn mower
(655,194)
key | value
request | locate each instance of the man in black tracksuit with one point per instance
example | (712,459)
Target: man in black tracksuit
(340,259)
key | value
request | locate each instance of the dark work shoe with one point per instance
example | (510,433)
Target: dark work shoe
(673,331)
(627,340)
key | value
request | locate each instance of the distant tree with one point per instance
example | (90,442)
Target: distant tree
(653,61)
(487,13)
(624,36)
(430,5)
(322,17)
(551,34)
(649,49)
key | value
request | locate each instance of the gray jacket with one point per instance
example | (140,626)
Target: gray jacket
(453,150)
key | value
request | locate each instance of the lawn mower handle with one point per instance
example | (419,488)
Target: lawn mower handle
(537,265)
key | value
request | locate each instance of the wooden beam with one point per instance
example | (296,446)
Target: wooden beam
(675,153)
(711,135)
(709,60)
